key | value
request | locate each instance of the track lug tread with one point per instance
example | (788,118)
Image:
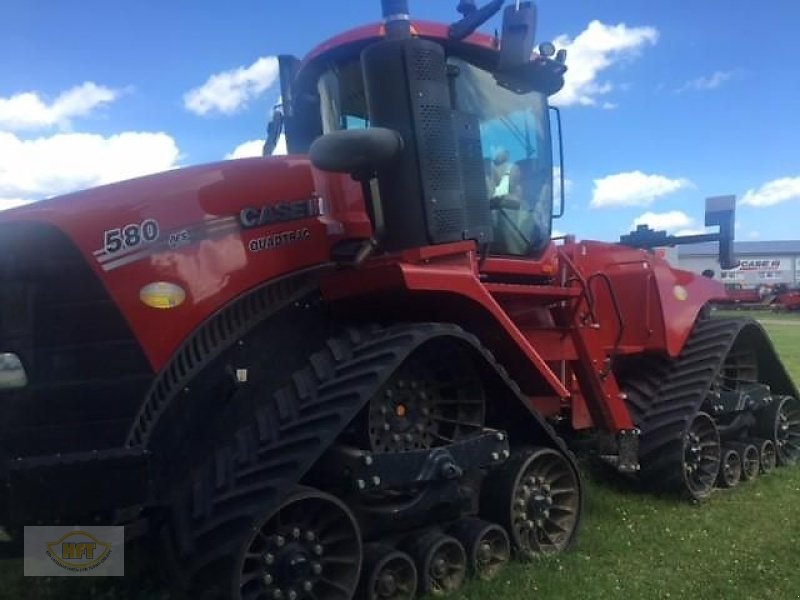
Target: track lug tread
(680,393)
(287,432)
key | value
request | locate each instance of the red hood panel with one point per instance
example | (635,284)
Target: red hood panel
(214,231)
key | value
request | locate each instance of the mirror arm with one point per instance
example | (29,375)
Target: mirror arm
(720,211)
(562,177)
(274,130)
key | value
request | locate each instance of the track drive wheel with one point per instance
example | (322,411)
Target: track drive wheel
(435,398)
(309,548)
(780,423)
(388,574)
(487,546)
(536,496)
(730,469)
(701,456)
(441,563)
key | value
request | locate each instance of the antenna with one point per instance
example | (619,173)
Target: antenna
(473,17)
(466,7)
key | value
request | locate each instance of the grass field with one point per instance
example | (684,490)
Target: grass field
(742,543)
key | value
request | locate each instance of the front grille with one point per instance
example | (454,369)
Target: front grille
(86,371)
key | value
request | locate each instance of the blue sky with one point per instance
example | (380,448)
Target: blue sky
(666,102)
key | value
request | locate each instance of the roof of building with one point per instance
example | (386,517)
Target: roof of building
(742,248)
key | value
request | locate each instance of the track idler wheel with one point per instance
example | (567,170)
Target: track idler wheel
(441,563)
(309,548)
(487,546)
(730,468)
(780,423)
(388,574)
(767,455)
(536,496)
(701,456)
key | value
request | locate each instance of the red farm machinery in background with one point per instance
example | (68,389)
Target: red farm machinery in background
(777,298)
(359,370)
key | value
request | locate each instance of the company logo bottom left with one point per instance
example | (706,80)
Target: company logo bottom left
(74,551)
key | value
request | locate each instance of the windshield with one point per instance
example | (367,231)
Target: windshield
(515,139)
(515,143)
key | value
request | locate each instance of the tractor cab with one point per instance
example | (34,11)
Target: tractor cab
(448,130)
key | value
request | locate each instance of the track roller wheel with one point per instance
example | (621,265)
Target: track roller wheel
(487,546)
(730,468)
(701,456)
(309,548)
(780,423)
(767,456)
(441,563)
(388,574)
(751,461)
(536,496)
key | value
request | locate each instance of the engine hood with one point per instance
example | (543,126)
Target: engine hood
(173,248)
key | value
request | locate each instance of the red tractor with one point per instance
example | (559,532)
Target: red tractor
(356,370)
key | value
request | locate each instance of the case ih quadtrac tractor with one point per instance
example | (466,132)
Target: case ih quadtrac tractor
(356,371)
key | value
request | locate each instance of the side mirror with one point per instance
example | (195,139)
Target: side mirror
(274,130)
(357,151)
(519,33)
(517,69)
(721,211)
(12,373)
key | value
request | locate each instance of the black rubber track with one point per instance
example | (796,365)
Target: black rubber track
(211,339)
(265,458)
(639,378)
(685,388)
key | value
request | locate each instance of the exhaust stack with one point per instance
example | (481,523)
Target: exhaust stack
(397,19)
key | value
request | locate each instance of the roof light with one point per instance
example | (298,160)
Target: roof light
(547,49)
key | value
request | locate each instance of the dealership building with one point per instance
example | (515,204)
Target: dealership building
(760,262)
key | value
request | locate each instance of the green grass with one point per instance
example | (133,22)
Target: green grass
(742,543)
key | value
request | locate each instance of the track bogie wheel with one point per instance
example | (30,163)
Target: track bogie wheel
(388,574)
(701,456)
(767,455)
(487,546)
(751,460)
(730,468)
(780,423)
(309,548)
(441,563)
(536,496)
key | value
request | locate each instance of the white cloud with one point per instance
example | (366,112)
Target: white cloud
(230,91)
(29,111)
(712,82)
(6,203)
(568,185)
(668,221)
(773,192)
(754,235)
(256,148)
(38,168)
(633,188)
(594,50)
(280,146)
(247,150)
